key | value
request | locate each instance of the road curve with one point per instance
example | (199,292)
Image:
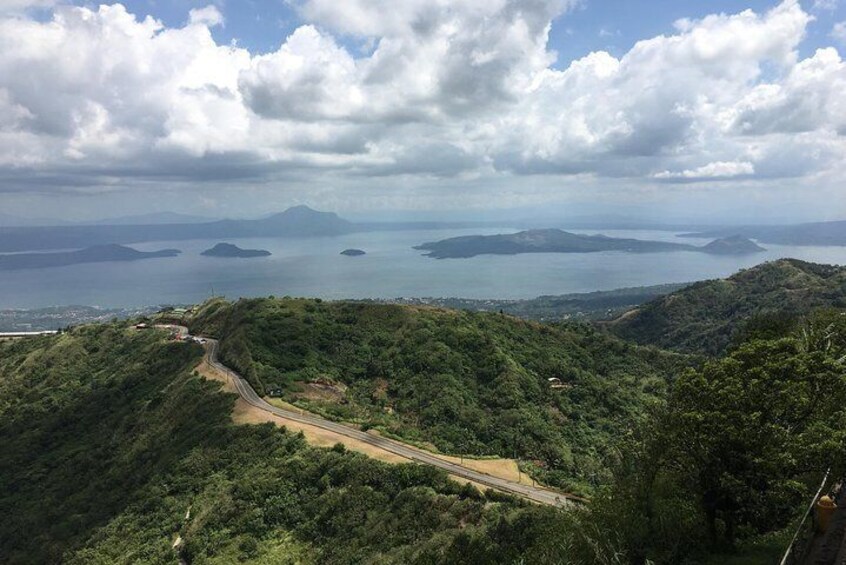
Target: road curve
(535,494)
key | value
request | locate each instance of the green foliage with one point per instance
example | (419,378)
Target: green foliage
(736,452)
(709,316)
(112,448)
(760,420)
(467,383)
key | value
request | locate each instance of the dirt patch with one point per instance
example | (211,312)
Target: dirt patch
(322,391)
(213,374)
(462,480)
(502,468)
(625,316)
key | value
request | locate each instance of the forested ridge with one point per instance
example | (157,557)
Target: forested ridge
(112,448)
(472,383)
(710,316)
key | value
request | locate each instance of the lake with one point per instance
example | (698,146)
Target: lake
(313,267)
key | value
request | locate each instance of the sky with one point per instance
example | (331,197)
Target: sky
(718,111)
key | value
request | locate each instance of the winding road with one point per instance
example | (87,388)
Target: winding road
(535,494)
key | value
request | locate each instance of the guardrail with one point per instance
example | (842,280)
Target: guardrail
(797,550)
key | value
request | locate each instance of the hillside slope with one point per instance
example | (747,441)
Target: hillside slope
(464,383)
(113,449)
(706,317)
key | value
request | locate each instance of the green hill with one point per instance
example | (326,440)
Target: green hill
(462,382)
(112,448)
(707,317)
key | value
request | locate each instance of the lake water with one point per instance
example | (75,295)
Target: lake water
(391,268)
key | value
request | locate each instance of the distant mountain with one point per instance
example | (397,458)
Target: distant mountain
(558,241)
(707,316)
(296,221)
(733,245)
(353,252)
(299,221)
(227,250)
(155,218)
(94,254)
(816,233)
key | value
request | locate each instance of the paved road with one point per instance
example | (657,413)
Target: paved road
(536,494)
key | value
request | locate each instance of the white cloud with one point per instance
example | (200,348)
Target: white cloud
(717,170)
(662,100)
(838,32)
(809,98)
(457,88)
(208,16)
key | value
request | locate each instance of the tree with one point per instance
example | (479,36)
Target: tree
(746,429)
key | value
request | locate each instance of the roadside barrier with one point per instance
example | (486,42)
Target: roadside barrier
(799,545)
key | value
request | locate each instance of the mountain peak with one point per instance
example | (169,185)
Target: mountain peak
(303,220)
(733,245)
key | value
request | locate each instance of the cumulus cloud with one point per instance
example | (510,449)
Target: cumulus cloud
(661,98)
(457,88)
(809,98)
(432,60)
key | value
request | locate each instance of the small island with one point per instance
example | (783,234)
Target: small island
(94,254)
(228,250)
(353,252)
(733,245)
(559,241)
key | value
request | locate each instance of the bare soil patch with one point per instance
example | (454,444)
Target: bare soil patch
(322,391)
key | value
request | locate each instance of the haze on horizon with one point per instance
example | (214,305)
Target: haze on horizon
(730,112)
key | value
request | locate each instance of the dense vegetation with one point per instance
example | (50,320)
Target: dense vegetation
(465,382)
(733,455)
(112,448)
(708,317)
